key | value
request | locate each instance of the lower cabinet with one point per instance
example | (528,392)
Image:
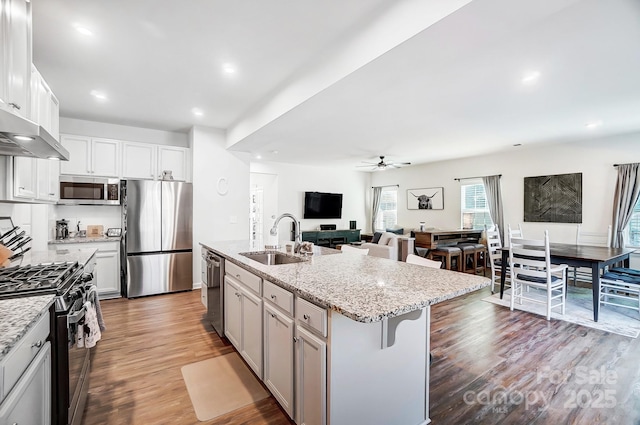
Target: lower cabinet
(278,356)
(107,271)
(243,322)
(311,378)
(29,402)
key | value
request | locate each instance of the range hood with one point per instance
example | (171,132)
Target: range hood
(21,137)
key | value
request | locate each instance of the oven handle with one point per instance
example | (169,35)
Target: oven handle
(75,317)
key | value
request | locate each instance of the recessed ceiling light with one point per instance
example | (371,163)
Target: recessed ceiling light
(228,68)
(530,77)
(82,29)
(197,112)
(258,156)
(593,124)
(23,138)
(98,95)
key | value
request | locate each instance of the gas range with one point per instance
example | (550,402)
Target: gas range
(42,279)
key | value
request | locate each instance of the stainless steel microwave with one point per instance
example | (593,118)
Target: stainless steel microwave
(76,190)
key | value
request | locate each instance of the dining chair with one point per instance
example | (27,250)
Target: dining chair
(620,287)
(530,262)
(517,233)
(494,245)
(353,250)
(589,239)
(421,261)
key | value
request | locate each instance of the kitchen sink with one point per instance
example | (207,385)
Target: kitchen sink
(271,258)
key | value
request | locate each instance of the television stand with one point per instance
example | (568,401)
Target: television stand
(331,238)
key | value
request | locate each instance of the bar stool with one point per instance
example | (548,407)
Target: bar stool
(447,254)
(473,257)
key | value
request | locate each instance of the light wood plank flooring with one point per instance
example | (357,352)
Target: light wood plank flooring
(490,366)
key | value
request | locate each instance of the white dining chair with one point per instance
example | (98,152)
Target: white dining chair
(530,262)
(421,261)
(583,238)
(494,245)
(353,250)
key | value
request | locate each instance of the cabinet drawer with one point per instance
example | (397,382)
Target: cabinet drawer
(278,296)
(312,316)
(250,280)
(21,355)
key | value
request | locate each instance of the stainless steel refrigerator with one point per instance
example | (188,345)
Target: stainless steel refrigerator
(157,223)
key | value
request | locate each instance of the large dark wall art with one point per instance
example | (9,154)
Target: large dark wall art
(553,199)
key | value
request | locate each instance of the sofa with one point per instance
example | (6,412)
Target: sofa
(386,245)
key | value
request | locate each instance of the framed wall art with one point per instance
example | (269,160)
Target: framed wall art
(553,199)
(430,198)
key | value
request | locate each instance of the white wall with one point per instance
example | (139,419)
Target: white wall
(106,215)
(217,216)
(122,132)
(294,180)
(593,158)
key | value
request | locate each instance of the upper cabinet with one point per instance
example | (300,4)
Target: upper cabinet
(91,156)
(139,160)
(15,61)
(45,109)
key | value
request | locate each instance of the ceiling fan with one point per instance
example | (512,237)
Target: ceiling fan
(384,165)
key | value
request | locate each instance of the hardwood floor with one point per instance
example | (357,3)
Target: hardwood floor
(490,366)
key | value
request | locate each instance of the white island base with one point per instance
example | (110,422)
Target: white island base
(378,373)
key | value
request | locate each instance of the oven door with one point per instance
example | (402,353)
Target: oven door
(78,366)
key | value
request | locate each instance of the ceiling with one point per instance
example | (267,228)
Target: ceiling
(339,82)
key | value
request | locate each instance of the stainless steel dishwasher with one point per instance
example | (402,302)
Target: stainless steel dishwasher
(213,278)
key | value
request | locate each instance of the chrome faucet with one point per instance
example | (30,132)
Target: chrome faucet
(296,230)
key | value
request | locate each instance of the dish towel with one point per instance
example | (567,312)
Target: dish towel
(89,329)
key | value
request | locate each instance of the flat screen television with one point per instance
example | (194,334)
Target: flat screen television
(322,205)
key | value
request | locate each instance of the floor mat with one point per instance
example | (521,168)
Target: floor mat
(579,310)
(220,385)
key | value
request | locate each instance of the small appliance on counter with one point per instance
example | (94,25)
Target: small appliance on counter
(62,229)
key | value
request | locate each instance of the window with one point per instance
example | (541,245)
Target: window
(633,238)
(388,210)
(474,211)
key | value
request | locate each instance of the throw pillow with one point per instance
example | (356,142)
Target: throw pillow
(398,231)
(385,238)
(376,237)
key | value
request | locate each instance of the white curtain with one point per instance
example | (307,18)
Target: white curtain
(626,197)
(377,195)
(494,200)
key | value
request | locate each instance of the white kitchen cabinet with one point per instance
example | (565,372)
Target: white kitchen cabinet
(29,402)
(311,378)
(48,173)
(107,270)
(278,356)
(243,322)
(173,159)
(45,108)
(91,156)
(15,65)
(138,160)
(24,177)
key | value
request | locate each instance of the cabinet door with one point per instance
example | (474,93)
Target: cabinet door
(108,270)
(42,175)
(138,161)
(105,159)
(252,330)
(54,180)
(24,177)
(278,356)
(29,402)
(79,160)
(17,50)
(175,160)
(54,110)
(232,313)
(311,379)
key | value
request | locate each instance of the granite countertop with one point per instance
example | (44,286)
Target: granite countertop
(18,315)
(85,240)
(54,255)
(360,287)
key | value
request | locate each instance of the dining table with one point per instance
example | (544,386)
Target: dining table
(594,257)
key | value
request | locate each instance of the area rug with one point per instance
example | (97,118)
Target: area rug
(220,385)
(579,310)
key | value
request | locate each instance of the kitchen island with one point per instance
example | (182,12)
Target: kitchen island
(371,316)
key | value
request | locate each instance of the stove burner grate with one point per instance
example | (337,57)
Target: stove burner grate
(38,278)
